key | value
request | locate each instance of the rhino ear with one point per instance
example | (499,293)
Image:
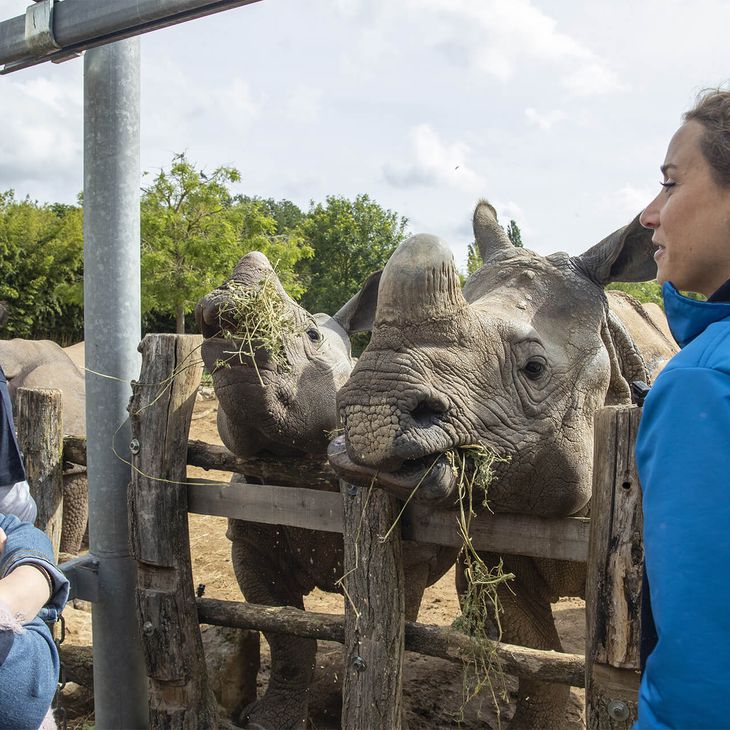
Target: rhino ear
(489,235)
(359,313)
(626,255)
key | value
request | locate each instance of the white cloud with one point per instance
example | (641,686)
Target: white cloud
(433,162)
(41,137)
(545,120)
(304,103)
(593,79)
(198,111)
(506,35)
(628,200)
(509,210)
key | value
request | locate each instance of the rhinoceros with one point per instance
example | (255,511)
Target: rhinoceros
(519,361)
(290,411)
(44,364)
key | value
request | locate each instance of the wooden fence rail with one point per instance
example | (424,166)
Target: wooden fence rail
(315,509)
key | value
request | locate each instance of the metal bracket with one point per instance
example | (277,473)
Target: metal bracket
(39,28)
(83,575)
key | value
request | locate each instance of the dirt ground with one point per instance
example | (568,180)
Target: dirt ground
(432,687)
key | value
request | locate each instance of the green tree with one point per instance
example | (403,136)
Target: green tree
(514,234)
(194,231)
(351,239)
(41,268)
(473,259)
(258,230)
(288,216)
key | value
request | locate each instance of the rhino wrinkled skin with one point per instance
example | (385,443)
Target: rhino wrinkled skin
(519,361)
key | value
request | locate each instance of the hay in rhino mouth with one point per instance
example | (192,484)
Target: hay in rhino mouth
(258,320)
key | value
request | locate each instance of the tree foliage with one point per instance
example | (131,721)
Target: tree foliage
(194,231)
(473,259)
(350,239)
(514,234)
(41,266)
(288,216)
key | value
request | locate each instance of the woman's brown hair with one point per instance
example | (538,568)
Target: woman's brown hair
(712,111)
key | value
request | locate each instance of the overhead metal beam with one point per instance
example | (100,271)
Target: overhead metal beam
(78,25)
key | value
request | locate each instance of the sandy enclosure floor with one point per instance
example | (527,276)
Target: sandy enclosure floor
(432,687)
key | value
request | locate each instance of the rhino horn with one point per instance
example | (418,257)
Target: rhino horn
(489,235)
(253,268)
(419,283)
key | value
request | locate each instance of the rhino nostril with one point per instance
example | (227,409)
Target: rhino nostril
(428,410)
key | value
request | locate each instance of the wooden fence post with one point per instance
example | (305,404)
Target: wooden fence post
(615,559)
(39,421)
(160,412)
(374,611)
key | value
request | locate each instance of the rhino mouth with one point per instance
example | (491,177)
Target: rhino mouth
(432,476)
(221,354)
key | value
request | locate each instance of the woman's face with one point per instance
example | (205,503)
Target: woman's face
(690,218)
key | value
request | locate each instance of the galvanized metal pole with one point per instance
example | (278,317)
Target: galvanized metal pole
(112,333)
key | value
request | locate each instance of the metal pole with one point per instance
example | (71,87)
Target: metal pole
(112,333)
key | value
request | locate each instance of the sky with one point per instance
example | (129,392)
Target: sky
(557,112)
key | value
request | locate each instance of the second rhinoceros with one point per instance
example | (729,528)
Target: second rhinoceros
(519,361)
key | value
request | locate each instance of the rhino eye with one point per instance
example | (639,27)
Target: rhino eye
(313,334)
(534,369)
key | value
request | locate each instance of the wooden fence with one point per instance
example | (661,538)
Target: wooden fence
(169,613)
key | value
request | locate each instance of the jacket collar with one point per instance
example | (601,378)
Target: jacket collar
(689,318)
(722,294)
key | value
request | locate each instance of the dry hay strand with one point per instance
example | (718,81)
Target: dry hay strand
(473,467)
(481,607)
(261,321)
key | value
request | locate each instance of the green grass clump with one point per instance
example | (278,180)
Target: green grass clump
(262,321)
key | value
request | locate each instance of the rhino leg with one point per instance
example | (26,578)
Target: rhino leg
(528,621)
(259,561)
(423,565)
(75,511)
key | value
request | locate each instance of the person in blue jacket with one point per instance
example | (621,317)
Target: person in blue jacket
(32,592)
(683,446)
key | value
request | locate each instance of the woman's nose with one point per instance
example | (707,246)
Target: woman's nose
(649,217)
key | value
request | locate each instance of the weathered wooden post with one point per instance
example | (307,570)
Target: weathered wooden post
(160,411)
(39,422)
(374,611)
(615,559)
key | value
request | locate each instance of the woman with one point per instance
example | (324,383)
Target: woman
(683,448)
(32,591)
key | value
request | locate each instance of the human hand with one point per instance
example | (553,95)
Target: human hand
(3,540)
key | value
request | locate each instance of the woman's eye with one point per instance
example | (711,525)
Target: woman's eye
(668,184)
(314,334)
(534,369)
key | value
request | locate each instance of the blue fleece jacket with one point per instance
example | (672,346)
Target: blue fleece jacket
(683,458)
